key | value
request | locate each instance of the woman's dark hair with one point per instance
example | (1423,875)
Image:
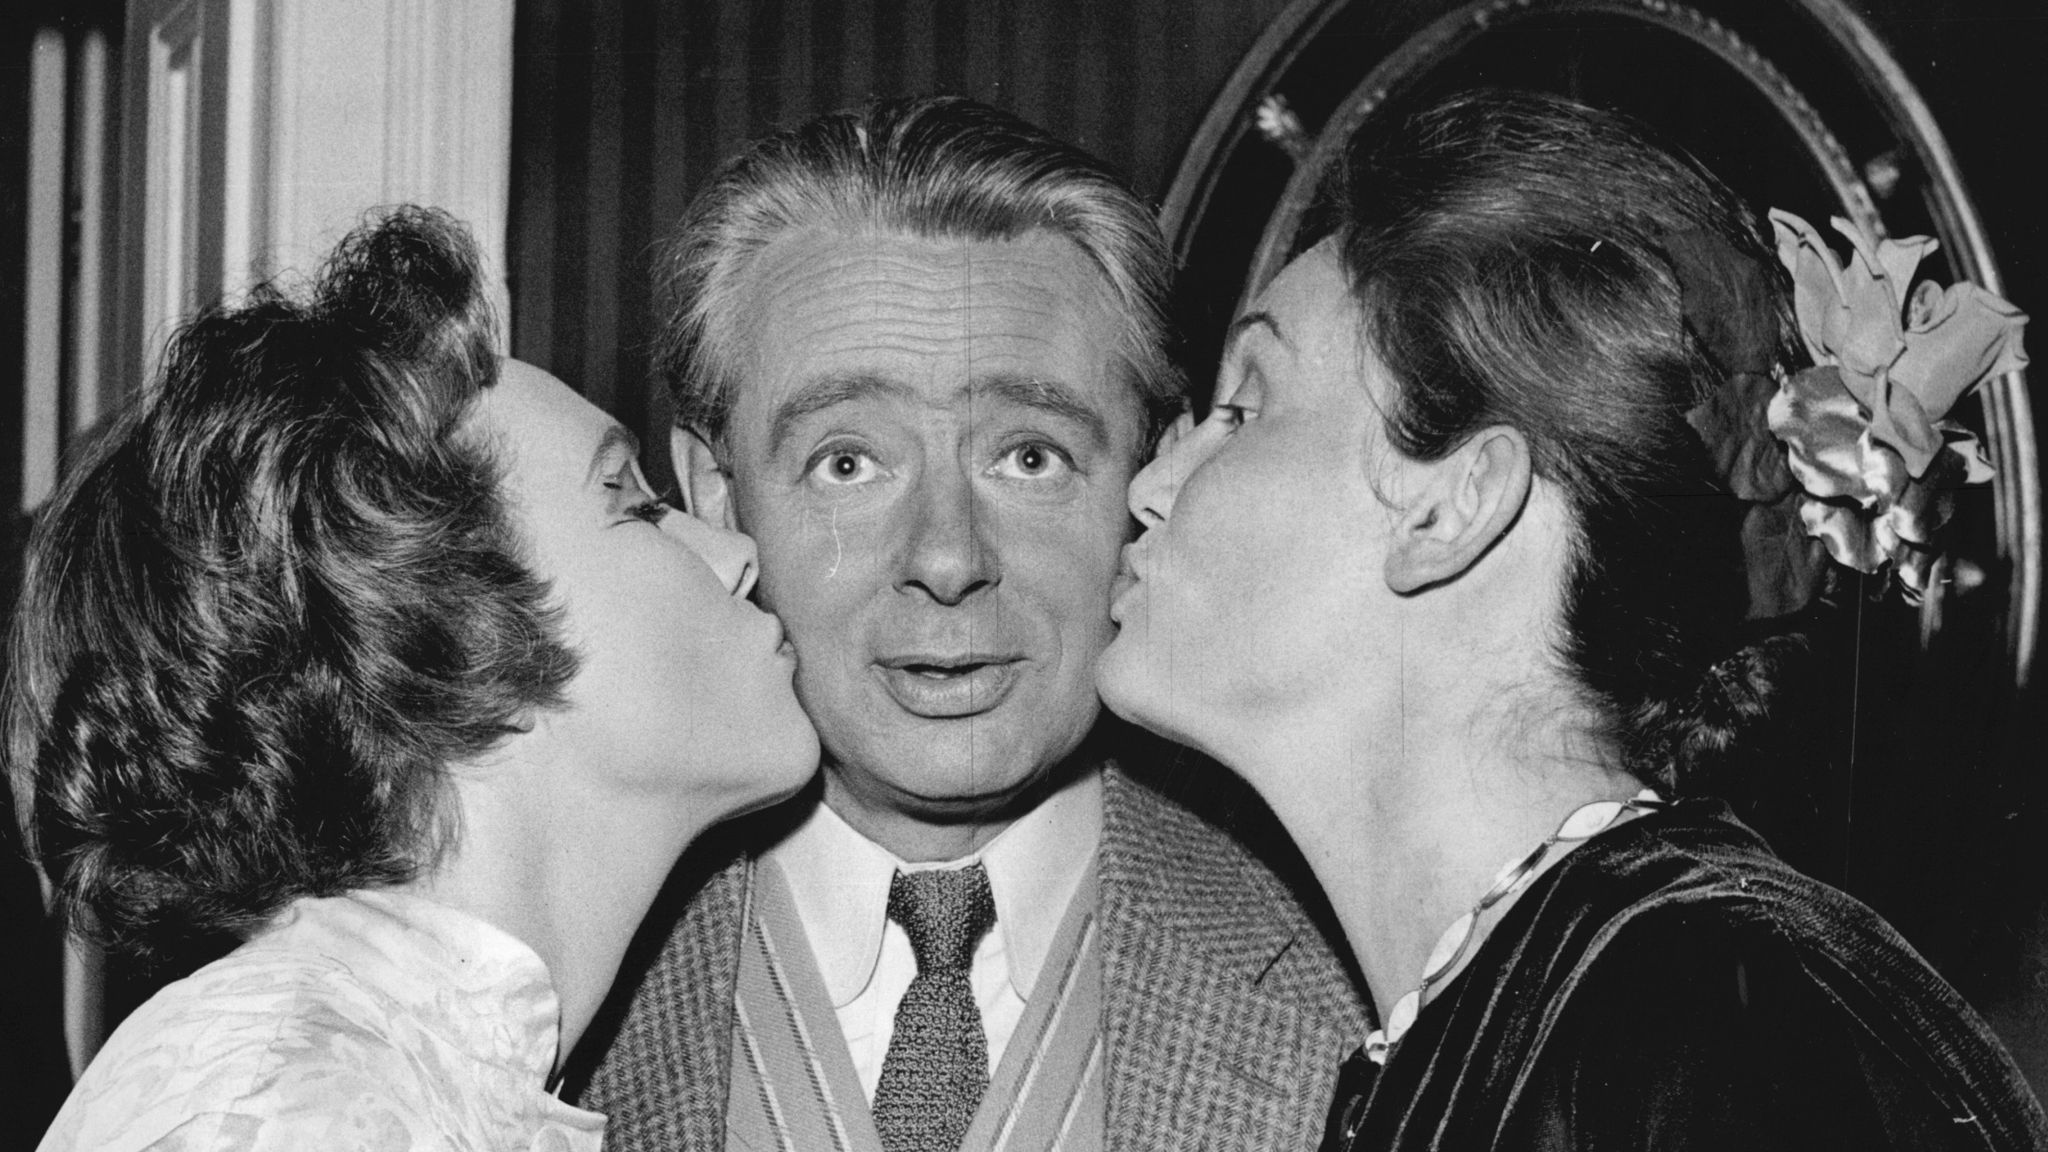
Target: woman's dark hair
(275,600)
(1513,255)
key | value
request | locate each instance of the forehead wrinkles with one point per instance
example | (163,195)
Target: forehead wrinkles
(849,295)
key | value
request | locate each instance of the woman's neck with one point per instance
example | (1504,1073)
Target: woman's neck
(1406,819)
(571,878)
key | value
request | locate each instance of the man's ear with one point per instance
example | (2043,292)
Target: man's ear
(1468,501)
(706,485)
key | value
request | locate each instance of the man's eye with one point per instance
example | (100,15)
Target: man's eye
(845,466)
(1033,461)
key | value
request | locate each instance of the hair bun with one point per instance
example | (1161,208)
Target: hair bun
(1734,698)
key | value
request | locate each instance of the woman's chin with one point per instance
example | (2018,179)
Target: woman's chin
(1117,678)
(797,764)
(779,761)
(1135,688)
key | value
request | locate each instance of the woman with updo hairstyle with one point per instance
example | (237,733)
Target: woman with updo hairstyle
(1448,577)
(360,651)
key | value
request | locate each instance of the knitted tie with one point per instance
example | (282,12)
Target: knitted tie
(937,1065)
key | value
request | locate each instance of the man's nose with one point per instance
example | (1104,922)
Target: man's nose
(1153,488)
(947,554)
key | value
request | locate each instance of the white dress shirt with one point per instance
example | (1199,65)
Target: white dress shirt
(840,879)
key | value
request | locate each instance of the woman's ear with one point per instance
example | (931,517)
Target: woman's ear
(1469,500)
(705,484)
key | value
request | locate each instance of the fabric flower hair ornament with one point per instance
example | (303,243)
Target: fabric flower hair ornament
(1865,428)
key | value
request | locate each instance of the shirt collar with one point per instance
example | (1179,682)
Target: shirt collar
(839,880)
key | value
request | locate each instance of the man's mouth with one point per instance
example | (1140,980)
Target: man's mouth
(949,687)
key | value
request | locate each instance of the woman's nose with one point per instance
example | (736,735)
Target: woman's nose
(730,554)
(1154,487)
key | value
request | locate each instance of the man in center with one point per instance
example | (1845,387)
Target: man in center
(917,353)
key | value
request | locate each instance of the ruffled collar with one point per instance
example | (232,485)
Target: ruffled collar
(489,993)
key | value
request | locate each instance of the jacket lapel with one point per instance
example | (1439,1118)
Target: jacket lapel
(1225,1011)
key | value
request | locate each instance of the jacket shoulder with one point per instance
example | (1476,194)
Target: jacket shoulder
(657,1059)
(1252,913)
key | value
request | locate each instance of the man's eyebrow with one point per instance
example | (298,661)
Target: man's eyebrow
(1050,397)
(822,393)
(1246,323)
(615,438)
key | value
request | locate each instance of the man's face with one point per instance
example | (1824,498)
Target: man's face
(931,447)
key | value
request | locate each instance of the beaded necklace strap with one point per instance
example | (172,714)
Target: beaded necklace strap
(1463,935)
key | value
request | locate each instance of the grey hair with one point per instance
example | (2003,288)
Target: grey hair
(936,167)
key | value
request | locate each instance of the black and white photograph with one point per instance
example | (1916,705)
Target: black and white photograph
(1023,575)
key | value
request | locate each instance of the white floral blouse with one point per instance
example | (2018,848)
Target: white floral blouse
(369,1021)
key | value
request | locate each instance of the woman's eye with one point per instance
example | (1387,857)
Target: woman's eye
(1032,461)
(630,499)
(651,511)
(845,467)
(1235,416)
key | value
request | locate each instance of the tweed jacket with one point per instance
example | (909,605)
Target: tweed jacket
(1225,1011)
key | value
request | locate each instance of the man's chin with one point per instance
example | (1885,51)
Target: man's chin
(963,791)
(944,796)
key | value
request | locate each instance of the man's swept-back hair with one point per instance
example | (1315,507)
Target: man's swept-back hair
(278,597)
(939,167)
